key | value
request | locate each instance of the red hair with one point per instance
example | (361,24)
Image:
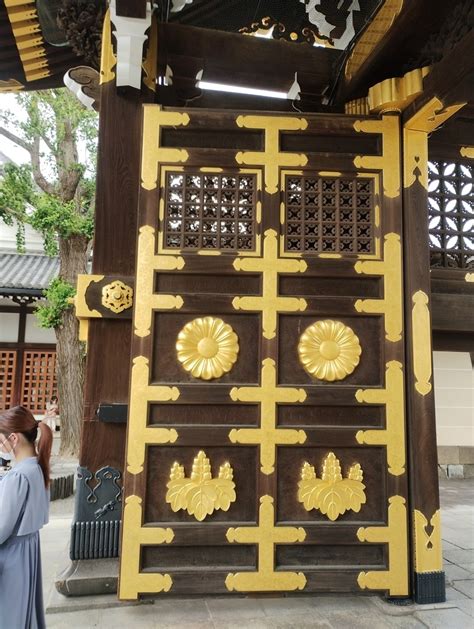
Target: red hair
(19,419)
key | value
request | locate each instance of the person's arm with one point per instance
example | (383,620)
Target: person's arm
(13,491)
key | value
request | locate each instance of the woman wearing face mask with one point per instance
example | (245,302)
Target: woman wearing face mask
(24,507)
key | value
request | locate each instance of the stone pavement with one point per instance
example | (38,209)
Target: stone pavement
(367,612)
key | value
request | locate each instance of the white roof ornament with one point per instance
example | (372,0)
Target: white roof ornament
(80,79)
(325,28)
(179,4)
(130,36)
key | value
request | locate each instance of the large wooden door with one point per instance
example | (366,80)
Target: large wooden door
(266,440)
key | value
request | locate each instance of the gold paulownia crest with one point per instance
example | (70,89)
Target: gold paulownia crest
(332,494)
(207,347)
(201,494)
(117,296)
(329,350)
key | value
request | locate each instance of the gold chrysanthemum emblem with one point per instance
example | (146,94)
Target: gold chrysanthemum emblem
(329,350)
(207,347)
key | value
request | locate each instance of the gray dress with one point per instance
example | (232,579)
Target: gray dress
(24,507)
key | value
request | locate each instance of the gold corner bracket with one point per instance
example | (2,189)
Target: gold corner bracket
(391,305)
(395,579)
(428,545)
(389,161)
(132,582)
(140,434)
(152,153)
(393,436)
(147,263)
(83,312)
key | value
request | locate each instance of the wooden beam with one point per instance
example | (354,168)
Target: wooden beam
(131,8)
(246,61)
(453,313)
(451,80)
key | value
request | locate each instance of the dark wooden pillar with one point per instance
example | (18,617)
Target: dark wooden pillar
(108,355)
(96,525)
(428,575)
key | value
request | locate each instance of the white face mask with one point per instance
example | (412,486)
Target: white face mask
(8,455)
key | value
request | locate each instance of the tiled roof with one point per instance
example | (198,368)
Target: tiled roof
(27,271)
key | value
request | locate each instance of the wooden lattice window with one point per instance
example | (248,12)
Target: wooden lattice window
(451,214)
(7,377)
(210,211)
(39,379)
(329,214)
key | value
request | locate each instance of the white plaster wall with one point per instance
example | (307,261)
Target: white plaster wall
(33,239)
(35,334)
(9,322)
(454,398)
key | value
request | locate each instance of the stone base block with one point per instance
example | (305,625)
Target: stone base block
(88,577)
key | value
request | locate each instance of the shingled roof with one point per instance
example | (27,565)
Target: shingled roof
(19,272)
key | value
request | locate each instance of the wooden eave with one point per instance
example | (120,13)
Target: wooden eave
(26,60)
(397,49)
(244,61)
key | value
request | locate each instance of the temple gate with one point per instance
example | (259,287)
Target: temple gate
(266,446)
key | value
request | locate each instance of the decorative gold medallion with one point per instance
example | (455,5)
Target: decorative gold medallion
(329,350)
(201,494)
(207,347)
(331,494)
(117,296)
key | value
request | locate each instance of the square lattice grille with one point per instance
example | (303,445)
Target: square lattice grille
(7,377)
(39,380)
(210,211)
(329,214)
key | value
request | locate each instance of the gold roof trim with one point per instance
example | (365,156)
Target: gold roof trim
(29,42)
(395,94)
(357,107)
(373,35)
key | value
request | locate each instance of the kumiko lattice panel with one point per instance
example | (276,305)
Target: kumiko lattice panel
(7,377)
(329,214)
(39,379)
(451,214)
(210,211)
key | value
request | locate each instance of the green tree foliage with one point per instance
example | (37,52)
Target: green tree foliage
(55,194)
(58,299)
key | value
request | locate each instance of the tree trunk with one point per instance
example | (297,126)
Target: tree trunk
(70,351)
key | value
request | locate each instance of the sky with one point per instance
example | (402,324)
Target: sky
(14,152)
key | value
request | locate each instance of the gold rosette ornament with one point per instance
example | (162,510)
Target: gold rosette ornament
(207,347)
(329,350)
